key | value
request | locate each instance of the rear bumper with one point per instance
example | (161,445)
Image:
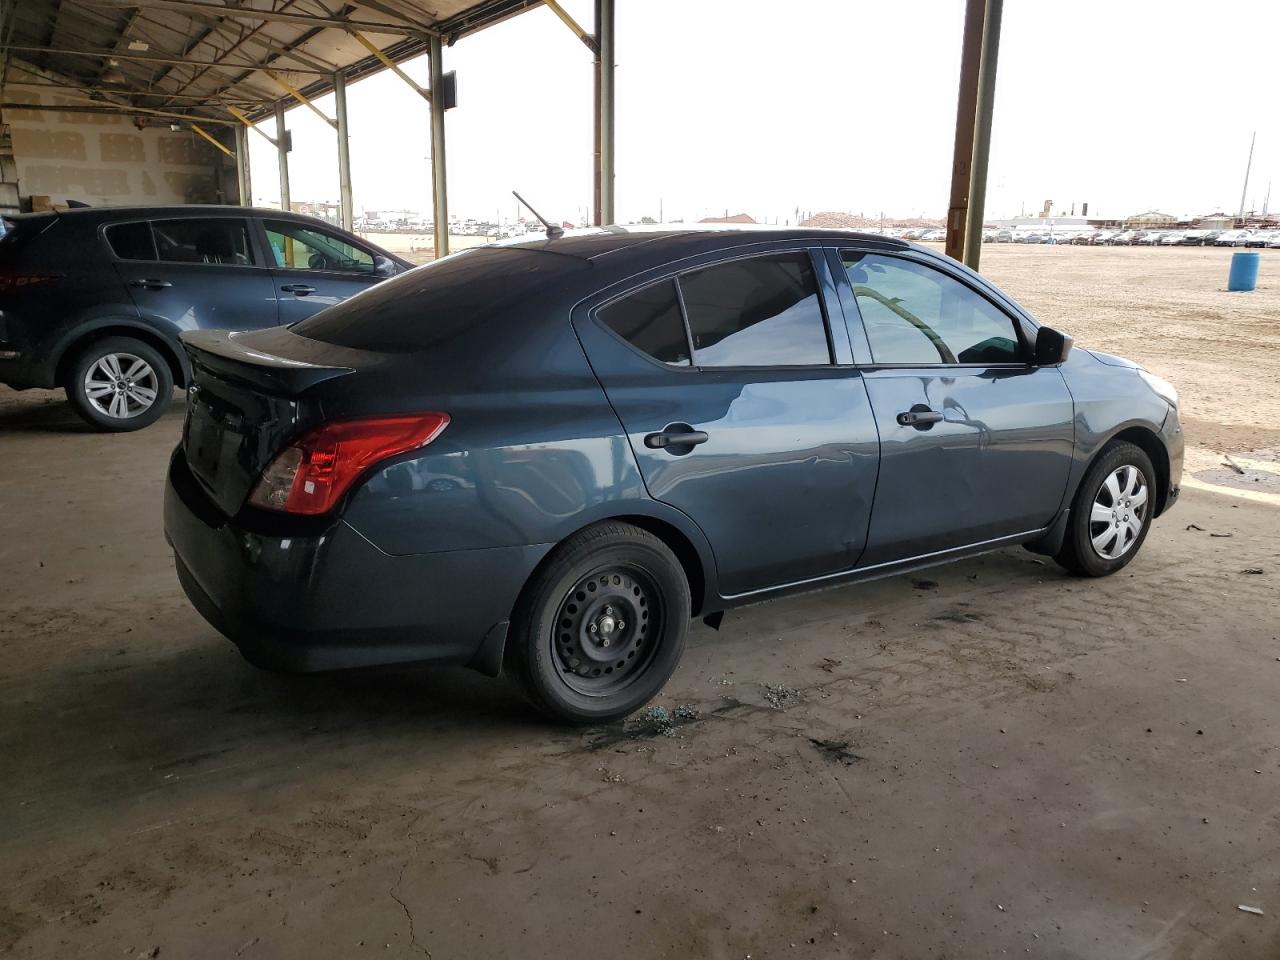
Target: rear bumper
(332,600)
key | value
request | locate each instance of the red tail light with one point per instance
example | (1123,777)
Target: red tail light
(313,473)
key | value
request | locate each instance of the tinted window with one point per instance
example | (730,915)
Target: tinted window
(650,321)
(430,304)
(203,241)
(757,312)
(300,247)
(916,314)
(131,241)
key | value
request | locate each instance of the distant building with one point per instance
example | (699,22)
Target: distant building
(1152,218)
(736,218)
(1216,221)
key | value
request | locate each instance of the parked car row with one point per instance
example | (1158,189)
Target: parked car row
(1120,238)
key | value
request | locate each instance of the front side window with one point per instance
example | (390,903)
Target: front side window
(914,314)
(650,321)
(756,312)
(206,240)
(298,247)
(131,241)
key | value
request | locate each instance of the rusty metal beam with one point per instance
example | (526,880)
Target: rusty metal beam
(966,117)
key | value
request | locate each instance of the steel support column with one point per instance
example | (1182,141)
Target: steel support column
(346,212)
(243,183)
(982,133)
(282,154)
(439,187)
(966,116)
(604,103)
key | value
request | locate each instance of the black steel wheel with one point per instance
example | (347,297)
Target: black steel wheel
(601,625)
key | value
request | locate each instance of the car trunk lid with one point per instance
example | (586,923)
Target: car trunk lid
(251,392)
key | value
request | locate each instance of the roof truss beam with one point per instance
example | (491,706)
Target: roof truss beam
(254,14)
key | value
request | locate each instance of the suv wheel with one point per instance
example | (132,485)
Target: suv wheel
(601,626)
(1111,513)
(119,384)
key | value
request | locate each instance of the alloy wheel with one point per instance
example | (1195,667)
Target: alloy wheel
(1119,512)
(121,385)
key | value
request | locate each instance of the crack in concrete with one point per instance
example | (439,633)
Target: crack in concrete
(413,934)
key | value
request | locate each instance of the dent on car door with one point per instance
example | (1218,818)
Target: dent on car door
(976,442)
(314,268)
(737,415)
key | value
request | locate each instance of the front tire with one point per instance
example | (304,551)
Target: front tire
(601,626)
(1111,512)
(118,384)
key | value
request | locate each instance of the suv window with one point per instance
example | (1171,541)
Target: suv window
(207,240)
(298,247)
(914,314)
(650,321)
(756,312)
(131,241)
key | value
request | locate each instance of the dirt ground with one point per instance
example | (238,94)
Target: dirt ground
(991,758)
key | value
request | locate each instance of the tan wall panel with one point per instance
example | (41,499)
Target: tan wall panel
(46,144)
(88,183)
(192,187)
(121,147)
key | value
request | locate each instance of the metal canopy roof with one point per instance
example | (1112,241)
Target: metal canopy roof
(197,58)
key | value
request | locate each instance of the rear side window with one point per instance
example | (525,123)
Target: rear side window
(131,241)
(756,312)
(650,321)
(206,240)
(426,306)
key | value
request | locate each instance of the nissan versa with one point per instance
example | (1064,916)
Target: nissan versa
(551,454)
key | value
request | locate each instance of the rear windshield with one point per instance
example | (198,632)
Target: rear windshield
(430,304)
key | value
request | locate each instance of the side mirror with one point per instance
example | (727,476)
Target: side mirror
(1052,347)
(383,266)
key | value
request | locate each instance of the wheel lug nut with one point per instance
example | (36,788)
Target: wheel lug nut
(604,642)
(592,628)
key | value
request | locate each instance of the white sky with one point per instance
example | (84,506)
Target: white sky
(766,107)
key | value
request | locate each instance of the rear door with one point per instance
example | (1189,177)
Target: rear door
(313,268)
(976,442)
(742,412)
(194,274)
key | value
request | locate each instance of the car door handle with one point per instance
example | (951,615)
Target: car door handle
(675,438)
(150,284)
(919,418)
(298,289)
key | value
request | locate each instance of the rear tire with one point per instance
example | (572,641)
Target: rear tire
(1111,512)
(601,625)
(118,384)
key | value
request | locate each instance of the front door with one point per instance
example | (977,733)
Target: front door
(723,378)
(195,274)
(976,443)
(314,268)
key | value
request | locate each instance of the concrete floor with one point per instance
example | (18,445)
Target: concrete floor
(1034,765)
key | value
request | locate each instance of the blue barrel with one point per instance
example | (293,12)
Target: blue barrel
(1244,271)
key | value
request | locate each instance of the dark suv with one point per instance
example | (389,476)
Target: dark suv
(94,300)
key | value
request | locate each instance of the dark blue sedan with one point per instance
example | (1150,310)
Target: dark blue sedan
(552,454)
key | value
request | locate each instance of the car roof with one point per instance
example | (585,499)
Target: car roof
(174,210)
(595,243)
